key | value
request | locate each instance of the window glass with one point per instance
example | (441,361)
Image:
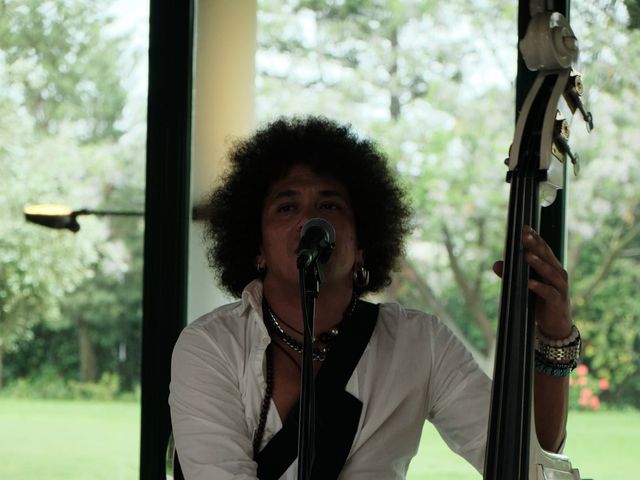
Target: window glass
(434,84)
(73,81)
(422,79)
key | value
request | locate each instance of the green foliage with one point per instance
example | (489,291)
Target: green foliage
(49,348)
(439,100)
(629,392)
(116,343)
(388,68)
(604,205)
(633,6)
(61,109)
(106,389)
(610,328)
(39,267)
(63,66)
(47,384)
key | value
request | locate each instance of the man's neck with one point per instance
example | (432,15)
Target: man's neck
(285,302)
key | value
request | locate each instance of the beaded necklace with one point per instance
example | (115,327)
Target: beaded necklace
(319,354)
(266,401)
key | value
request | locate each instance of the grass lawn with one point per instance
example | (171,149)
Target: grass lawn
(69,440)
(602,445)
(75,440)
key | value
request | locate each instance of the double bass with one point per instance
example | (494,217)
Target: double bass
(538,161)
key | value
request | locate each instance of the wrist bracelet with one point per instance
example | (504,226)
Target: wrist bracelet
(575,333)
(559,352)
(554,370)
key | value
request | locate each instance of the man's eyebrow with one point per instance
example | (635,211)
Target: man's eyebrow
(289,193)
(331,193)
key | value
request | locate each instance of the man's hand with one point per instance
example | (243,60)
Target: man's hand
(551,287)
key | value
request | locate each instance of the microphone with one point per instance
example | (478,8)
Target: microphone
(317,240)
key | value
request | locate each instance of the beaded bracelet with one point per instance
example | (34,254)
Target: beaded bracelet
(573,336)
(553,369)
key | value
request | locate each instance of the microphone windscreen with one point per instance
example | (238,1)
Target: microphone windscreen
(322,224)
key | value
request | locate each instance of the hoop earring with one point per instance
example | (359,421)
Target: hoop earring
(261,268)
(360,278)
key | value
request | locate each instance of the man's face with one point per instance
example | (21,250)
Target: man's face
(290,202)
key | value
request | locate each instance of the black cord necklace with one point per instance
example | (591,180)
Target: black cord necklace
(271,321)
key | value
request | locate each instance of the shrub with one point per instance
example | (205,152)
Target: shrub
(585,389)
(48,384)
(106,388)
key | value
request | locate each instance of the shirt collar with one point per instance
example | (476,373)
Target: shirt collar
(251,303)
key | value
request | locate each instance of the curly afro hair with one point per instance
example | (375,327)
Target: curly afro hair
(382,214)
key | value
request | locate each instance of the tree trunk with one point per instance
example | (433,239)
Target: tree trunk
(409,274)
(470,295)
(1,368)
(395,107)
(88,369)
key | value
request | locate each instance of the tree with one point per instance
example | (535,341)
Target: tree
(604,226)
(403,87)
(37,270)
(433,82)
(63,66)
(61,104)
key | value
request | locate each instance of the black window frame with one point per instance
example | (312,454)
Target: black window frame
(167,218)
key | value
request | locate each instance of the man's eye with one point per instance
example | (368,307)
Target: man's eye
(330,206)
(284,208)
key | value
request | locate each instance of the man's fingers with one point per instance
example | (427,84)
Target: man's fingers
(498,267)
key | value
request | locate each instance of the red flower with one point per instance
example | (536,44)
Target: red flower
(582,370)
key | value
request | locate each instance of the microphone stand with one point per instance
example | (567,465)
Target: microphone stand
(310,278)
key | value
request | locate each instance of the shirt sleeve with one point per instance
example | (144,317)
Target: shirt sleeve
(459,398)
(207,415)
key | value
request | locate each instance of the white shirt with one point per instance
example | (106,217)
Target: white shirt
(413,369)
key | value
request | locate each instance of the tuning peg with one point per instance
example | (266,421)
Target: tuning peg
(575,160)
(562,144)
(573,92)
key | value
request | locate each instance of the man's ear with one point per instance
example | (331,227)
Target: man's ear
(261,263)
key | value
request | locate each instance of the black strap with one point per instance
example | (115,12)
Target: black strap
(337,411)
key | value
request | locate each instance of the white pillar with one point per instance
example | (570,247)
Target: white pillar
(223,106)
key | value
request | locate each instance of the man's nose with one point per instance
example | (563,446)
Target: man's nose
(307,214)
(302,221)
